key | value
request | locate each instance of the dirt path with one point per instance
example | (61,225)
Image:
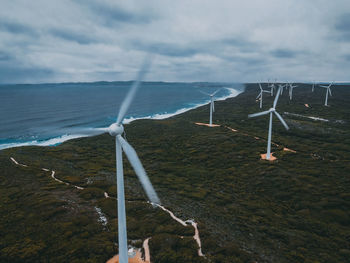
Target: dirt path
(258,138)
(13,160)
(206,124)
(196,237)
(137,258)
(185,223)
(146,249)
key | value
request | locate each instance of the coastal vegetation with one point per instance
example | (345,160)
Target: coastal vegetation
(295,209)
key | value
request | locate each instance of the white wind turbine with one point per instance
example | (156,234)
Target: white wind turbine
(328,88)
(272,86)
(282,87)
(313,86)
(260,96)
(291,87)
(116,130)
(271,111)
(212,108)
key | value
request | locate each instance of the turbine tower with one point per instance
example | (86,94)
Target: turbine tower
(116,130)
(212,108)
(271,111)
(328,88)
(260,96)
(313,86)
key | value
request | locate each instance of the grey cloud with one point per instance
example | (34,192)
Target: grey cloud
(240,43)
(343,27)
(66,34)
(284,53)
(343,23)
(20,74)
(16,28)
(4,56)
(88,40)
(112,14)
(166,49)
(190,49)
(13,70)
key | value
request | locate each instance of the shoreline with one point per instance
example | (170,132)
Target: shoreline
(55,141)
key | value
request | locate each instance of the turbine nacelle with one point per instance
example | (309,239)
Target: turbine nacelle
(115,129)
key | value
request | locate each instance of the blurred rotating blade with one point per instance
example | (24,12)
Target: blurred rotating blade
(215,92)
(139,170)
(134,87)
(204,93)
(86,131)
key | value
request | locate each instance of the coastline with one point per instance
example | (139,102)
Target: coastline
(158,116)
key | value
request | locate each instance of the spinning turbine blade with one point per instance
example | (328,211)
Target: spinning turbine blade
(131,94)
(260,87)
(215,92)
(139,170)
(260,94)
(276,98)
(204,93)
(259,114)
(213,106)
(282,120)
(330,91)
(87,131)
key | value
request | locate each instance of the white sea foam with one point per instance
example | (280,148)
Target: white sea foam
(50,142)
(159,116)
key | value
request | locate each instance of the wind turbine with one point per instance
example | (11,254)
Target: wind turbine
(212,108)
(260,96)
(272,86)
(313,86)
(116,130)
(328,88)
(291,87)
(282,87)
(271,111)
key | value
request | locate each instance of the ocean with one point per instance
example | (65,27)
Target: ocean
(49,114)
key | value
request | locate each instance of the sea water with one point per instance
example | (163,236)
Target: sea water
(49,114)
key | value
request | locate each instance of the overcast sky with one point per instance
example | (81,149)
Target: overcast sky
(192,40)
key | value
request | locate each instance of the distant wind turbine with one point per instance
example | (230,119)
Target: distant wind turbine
(291,87)
(313,86)
(272,86)
(282,87)
(271,111)
(260,96)
(212,108)
(328,88)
